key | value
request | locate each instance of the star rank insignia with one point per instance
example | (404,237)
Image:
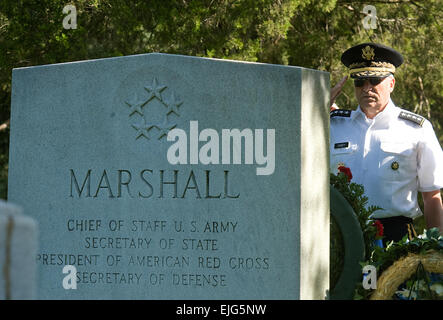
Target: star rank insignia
(142,129)
(173,105)
(136,106)
(340,113)
(142,114)
(155,90)
(412,117)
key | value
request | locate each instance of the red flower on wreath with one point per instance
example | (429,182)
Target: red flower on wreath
(346,171)
(379,227)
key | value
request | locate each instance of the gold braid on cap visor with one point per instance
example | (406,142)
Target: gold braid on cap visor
(375,67)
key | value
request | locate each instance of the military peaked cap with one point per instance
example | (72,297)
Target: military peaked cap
(371,60)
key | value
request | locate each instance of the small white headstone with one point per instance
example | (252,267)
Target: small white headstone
(18,248)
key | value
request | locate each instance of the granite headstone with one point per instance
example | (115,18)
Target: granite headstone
(161,176)
(18,248)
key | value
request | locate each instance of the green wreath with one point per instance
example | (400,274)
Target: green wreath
(352,235)
(422,251)
(347,248)
(399,263)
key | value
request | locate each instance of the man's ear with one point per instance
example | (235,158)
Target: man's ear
(392,84)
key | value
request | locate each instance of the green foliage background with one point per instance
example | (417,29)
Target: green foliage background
(308,33)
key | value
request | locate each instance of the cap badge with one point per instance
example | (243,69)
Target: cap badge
(395,165)
(368,53)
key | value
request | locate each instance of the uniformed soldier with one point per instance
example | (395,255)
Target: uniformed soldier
(392,152)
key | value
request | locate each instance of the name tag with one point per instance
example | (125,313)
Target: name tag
(341,145)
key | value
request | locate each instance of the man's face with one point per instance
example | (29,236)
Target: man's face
(374,98)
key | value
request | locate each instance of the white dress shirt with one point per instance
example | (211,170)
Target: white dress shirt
(393,156)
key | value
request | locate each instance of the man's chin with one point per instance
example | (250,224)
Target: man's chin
(368,103)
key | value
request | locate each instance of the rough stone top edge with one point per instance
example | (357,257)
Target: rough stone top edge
(20,69)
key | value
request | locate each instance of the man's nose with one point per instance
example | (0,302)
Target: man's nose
(367,85)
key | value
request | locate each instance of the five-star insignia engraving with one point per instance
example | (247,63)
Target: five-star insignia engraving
(155,90)
(164,129)
(136,106)
(142,129)
(145,127)
(173,105)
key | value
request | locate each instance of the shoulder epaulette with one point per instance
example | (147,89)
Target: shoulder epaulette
(340,113)
(412,117)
